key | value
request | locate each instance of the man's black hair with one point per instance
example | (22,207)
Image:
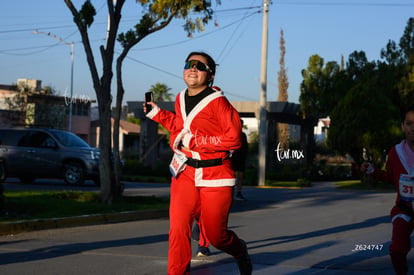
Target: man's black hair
(210,63)
(405,109)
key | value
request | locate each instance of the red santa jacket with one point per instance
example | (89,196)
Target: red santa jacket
(394,168)
(210,131)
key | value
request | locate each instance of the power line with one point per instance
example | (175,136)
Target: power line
(47,47)
(152,67)
(238,9)
(238,95)
(72,46)
(41,48)
(179,77)
(31,29)
(300,3)
(297,3)
(200,36)
(234,32)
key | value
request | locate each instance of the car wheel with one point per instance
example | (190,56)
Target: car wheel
(73,173)
(2,172)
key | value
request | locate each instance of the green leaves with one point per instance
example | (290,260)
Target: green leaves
(87,13)
(159,13)
(126,38)
(363,98)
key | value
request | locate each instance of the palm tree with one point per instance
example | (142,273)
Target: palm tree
(160,92)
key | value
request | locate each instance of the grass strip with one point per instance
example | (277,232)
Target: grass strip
(358,185)
(282,184)
(26,205)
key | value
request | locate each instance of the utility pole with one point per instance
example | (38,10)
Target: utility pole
(72,46)
(263,100)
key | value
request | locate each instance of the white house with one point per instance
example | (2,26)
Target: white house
(321,129)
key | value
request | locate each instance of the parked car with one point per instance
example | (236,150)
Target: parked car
(30,153)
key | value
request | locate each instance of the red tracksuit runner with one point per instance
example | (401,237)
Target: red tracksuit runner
(402,212)
(208,132)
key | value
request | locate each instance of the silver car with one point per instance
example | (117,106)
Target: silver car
(30,153)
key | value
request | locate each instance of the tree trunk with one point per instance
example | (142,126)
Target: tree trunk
(102,88)
(105,160)
(117,172)
(109,173)
(117,117)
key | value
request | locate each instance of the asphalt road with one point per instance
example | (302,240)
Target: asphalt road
(316,230)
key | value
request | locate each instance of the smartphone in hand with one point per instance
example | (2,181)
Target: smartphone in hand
(149,97)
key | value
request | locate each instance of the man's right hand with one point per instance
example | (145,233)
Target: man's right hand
(150,103)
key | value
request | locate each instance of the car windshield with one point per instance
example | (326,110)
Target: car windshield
(69,139)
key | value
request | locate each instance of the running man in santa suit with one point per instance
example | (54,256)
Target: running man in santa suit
(204,130)
(400,172)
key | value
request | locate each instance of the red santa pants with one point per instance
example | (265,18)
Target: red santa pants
(400,245)
(203,241)
(186,200)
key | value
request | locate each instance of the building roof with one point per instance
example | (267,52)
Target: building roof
(325,121)
(129,127)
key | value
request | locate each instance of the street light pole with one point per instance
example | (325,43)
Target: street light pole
(72,47)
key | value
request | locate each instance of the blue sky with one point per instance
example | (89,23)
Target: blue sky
(329,28)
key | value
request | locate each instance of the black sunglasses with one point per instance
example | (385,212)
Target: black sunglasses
(200,66)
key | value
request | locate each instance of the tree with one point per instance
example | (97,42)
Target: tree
(363,118)
(358,65)
(160,92)
(282,75)
(362,99)
(407,40)
(392,54)
(319,89)
(283,128)
(365,114)
(406,86)
(309,88)
(48,90)
(158,14)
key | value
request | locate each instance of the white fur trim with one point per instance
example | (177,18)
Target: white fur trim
(200,182)
(153,112)
(215,183)
(402,216)
(186,140)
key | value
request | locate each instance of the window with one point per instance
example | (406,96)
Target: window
(80,109)
(41,139)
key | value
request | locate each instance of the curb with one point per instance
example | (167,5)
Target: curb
(11,228)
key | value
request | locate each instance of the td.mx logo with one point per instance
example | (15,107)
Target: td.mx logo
(288,153)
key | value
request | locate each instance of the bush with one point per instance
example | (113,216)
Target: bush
(288,172)
(303,182)
(331,171)
(1,199)
(134,170)
(250,177)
